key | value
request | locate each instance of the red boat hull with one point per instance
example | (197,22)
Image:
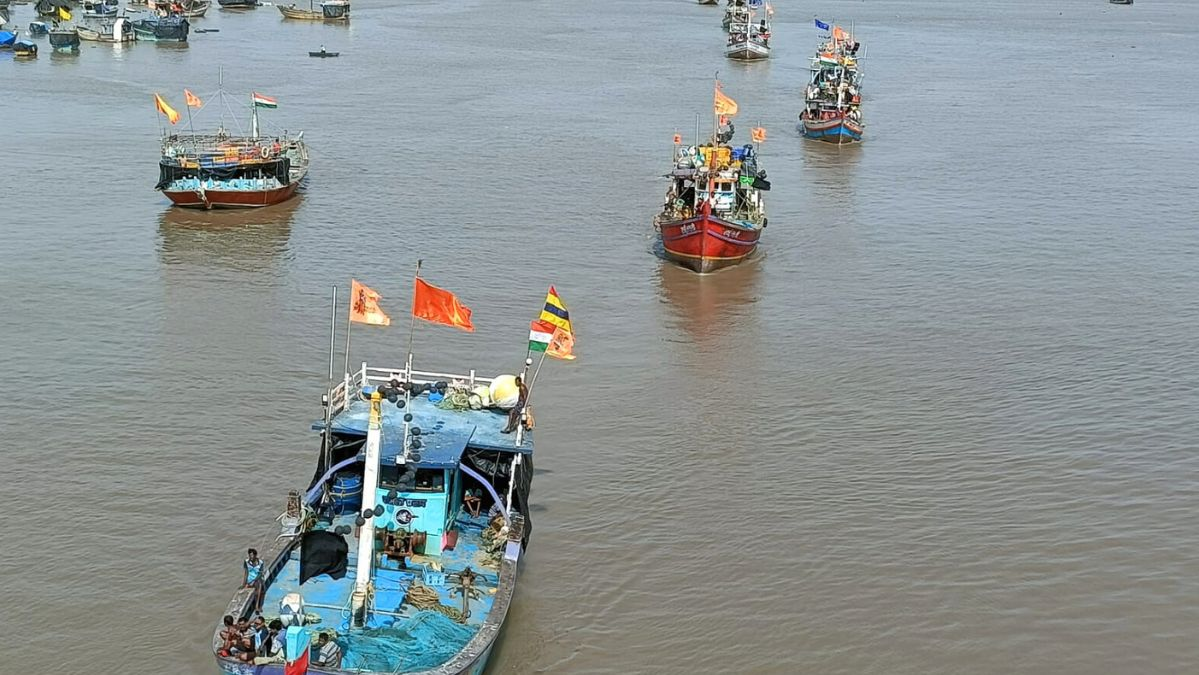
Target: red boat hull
(231,199)
(707,243)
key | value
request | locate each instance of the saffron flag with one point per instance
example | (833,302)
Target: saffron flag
(261,101)
(540,335)
(839,34)
(440,306)
(723,104)
(165,109)
(758,134)
(678,138)
(364,306)
(561,345)
(192,100)
(821,25)
(64,13)
(555,312)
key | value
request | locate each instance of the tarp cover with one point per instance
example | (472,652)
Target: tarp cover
(169,173)
(323,552)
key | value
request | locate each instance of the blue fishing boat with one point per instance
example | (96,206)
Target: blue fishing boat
(171,28)
(64,38)
(7,39)
(39,28)
(402,555)
(25,49)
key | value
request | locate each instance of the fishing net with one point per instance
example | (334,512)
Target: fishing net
(423,642)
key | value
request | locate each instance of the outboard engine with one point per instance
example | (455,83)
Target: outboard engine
(291,610)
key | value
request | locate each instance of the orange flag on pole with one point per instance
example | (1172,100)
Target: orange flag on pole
(440,306)
(364,306)
(165,109)
(723,104)
(192,100)
(758,134)
(562,344)
(839,34)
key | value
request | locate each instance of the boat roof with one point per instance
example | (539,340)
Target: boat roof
(444,434)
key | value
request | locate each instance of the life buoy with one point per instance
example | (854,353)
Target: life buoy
(264,151)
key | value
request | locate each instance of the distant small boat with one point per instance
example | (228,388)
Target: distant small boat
(39,28)
(207,30)
(708,2)
(7,39)
(293,12)
(238,4)
(195,10)
(162,29)
(64,39)
(322,54)
(24,49)
(1120,2)
(109,31)
(98,10)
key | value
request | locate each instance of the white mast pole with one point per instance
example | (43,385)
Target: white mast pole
(359,602)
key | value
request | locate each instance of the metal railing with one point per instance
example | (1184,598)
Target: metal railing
(341,394)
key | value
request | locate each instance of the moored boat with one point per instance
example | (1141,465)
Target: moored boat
(832,99)
(64,39)
(111,31)
(99,10)
(195,9)
(238,4)
(405,549)
(336,10)
(8,38)
(39,28)
(224,171)
(708,2)
(171,28)
(24,49)
(714,211)
(293,12)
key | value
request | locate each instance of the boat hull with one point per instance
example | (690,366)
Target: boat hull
(294,12)
(231,199)
(838,130)
(748,52)
(706,243)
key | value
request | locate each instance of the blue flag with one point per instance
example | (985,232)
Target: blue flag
(821,25)
(754,4)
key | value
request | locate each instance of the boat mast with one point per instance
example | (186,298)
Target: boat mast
(359,599)
(253,117)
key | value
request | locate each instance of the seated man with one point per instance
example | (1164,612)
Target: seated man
(271,649)
(230,638)
(329,655)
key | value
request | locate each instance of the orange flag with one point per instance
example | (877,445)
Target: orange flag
(723,104)
(364,306)
(839,34)
(440,306)
(562,344)
(165,109)
(758,134)
(192,100)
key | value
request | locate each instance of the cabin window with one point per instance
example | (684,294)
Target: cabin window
(430,480)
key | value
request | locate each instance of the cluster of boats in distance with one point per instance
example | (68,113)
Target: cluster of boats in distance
(715,210)
(67,23)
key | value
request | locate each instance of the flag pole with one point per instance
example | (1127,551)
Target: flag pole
(412,323)
(332,329)
(349,324)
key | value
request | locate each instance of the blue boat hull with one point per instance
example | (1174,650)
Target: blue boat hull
(831,131)
(277,668)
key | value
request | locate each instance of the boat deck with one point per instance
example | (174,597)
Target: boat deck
(401,638)
(480,428)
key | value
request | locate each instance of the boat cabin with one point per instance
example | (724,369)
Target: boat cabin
(730,173)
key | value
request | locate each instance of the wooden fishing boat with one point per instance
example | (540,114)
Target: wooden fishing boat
(832,110)
(714,211)
(407,545)
(708,2)
(1120,2)
(172,28)
(215,171)
(39,28)
(196,9)
(110,31)
(322,54)
(336,10)
(238,4)
(293,12)
(64,39)
(749,41)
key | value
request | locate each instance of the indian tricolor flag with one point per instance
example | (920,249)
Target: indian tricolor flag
(540,334)
(261,101)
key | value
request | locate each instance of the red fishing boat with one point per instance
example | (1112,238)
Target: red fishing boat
(714,212)
(221,170)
